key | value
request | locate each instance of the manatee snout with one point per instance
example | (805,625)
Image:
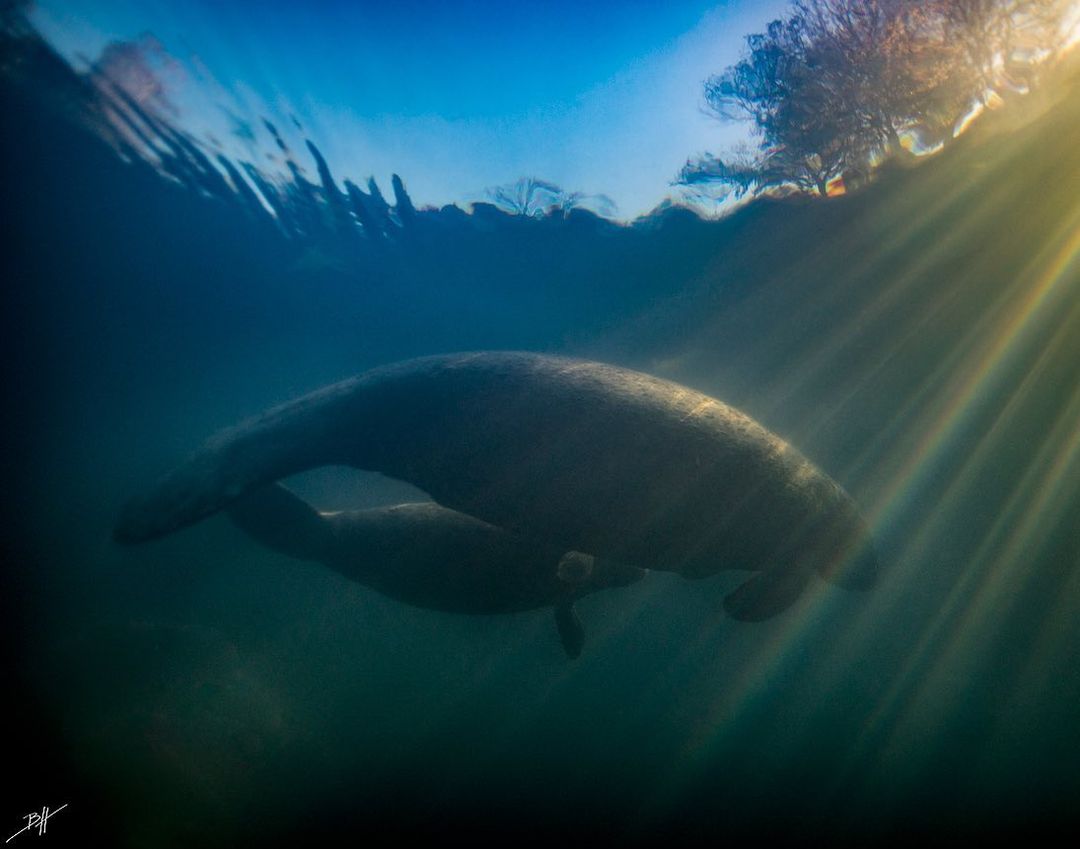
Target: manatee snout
(838,548)
(845,550)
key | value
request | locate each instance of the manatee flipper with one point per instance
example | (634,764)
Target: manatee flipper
(571,631)
(575,568)
(766,594)
(281,521)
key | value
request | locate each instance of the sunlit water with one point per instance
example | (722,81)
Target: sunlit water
(919,341)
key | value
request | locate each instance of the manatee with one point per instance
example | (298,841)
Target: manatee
(578,455)
(428,556)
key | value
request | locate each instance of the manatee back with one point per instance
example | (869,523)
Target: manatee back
(585,456)
(591,457)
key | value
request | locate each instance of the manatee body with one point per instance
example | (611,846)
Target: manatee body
(432,557)
(579,455)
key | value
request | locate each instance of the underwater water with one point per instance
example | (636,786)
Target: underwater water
(919,341)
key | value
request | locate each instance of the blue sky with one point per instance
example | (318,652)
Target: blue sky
(601,97)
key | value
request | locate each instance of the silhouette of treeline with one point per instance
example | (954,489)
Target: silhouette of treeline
(354,219)
(89,164)
(535,233)
(833,89)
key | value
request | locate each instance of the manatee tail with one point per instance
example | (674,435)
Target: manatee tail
(273,516)
(300,435)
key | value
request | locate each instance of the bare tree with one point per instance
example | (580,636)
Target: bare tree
(529,196)
(534,198)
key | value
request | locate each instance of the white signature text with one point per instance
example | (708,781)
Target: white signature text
(38,821)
